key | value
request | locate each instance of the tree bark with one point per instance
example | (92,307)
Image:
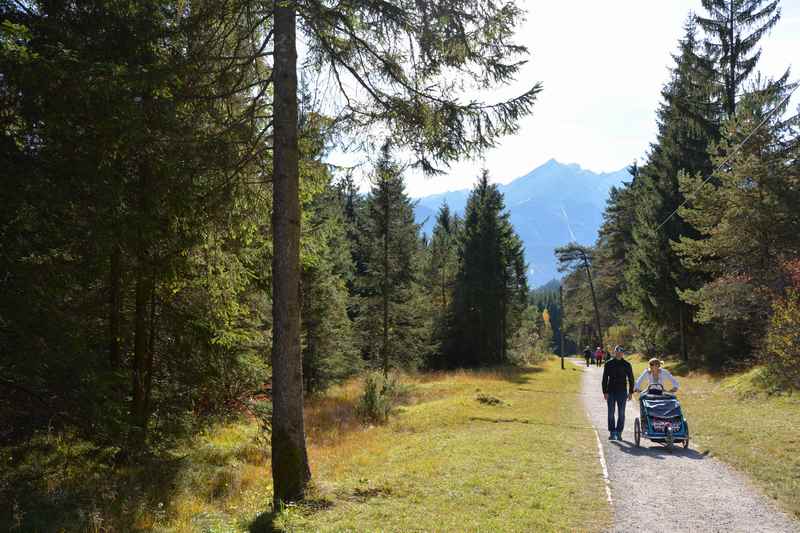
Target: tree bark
(115,300)
(151,350)
(561,321)
(142,291)
(385,284)
(684,351)
(290,470)
(140,345)
(594,302)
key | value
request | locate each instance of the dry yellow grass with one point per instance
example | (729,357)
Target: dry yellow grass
(444,462)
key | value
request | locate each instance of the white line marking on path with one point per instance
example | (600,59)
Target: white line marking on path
(600,453)
(603,464)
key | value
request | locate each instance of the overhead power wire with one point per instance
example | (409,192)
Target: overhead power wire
(728,158)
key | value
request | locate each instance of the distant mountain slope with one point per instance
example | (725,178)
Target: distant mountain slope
(540,203)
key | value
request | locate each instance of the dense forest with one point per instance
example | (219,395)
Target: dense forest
(174,249)
(698,255)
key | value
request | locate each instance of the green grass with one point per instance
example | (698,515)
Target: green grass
(735,420)
(495,450)
(447,462)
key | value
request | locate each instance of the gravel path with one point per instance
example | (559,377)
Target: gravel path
(653,489)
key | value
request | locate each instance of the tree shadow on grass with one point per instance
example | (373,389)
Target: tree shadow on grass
(265,523)
(79,487)
(515,374)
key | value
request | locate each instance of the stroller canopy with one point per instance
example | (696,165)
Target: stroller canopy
(662,407)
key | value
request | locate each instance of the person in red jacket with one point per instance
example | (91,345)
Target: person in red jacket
(598,356)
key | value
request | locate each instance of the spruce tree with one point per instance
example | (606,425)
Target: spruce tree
(128,149)
(393,318)
(686,126)
(442,267)
(329,348)
(393,64)
(491,286)
(734,29)
(745,218)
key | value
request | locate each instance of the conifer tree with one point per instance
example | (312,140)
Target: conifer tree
(442,267)
(686,126)
(734,29)
(491,286)
(745,217)
(393,317)
(128,149)
(443,256)
(573,258)
(393,64)
(329,348)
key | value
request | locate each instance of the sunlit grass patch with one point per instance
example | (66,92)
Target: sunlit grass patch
(445,461)
(456,464)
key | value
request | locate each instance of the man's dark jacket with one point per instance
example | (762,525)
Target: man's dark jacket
(615,373)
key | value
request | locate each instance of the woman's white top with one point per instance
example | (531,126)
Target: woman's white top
(663,376)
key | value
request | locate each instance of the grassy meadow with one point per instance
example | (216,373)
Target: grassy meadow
(734,418)
(492,450)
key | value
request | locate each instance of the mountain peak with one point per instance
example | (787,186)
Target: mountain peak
(554,164)
(550,206)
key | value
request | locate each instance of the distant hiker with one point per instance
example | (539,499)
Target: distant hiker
(618,385)
(598,356)
(587,354)
(656,375)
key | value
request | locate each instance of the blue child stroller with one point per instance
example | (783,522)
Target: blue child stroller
(661,418)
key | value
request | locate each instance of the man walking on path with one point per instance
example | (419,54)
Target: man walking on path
(617,389)
(587,354)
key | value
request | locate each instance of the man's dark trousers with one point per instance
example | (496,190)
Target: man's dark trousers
(617,399)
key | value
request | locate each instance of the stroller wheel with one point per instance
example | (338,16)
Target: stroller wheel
(637,432)
(686,440)
(670,439)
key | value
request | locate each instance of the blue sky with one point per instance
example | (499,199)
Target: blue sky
(602,65)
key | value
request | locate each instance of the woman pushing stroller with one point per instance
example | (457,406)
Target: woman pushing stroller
(655,375)
(661,415)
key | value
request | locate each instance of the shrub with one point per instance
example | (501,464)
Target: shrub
(622,335)
(782,343)
(379,397)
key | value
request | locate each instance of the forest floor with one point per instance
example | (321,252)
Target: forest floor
(688,489)
(499,450)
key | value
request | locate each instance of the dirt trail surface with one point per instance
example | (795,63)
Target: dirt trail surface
(653,489)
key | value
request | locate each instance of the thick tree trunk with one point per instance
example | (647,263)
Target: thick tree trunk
(115,301)
(730,86)
(290,470)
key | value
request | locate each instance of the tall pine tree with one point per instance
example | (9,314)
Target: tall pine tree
(734,29)
(393,319)
(491,286)
(686,127)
